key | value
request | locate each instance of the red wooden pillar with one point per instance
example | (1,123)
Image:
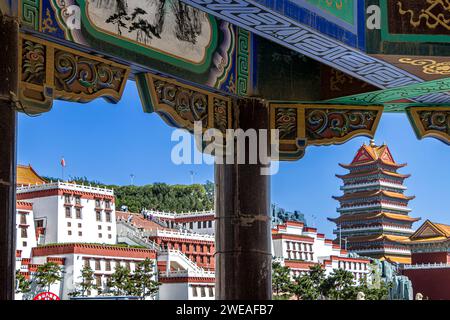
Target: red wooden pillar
(9,32)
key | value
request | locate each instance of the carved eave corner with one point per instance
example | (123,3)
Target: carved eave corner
(431,122)
(181,105)
(50,71)
(302,125)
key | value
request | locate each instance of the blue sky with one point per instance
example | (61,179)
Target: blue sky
(107,142)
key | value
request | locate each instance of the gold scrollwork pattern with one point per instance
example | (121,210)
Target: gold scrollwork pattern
(434,15)
(79,78)
(181,105)
(47,23)
(50,71)
(221,111)
(302,125)
(286,122)
(431,122)
(337,3)
(429,66)
(33,62)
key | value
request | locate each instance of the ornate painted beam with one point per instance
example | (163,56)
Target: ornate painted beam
(180,104)
(204,51)
(50,71)
(302,125)
(389,95)
(431,122)
(287,32)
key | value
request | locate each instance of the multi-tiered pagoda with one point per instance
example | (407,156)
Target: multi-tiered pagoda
(374,219)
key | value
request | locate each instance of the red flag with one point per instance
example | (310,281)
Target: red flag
(63,162)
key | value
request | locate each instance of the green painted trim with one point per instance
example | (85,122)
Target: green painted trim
(144,93)
(345,14)
(136,48)
(413,124)
(388,95)
(31,9)
(243,55)
(386,36)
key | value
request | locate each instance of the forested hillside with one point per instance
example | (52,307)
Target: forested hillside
(159,196)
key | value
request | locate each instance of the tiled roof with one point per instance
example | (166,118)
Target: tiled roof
(26,175)
(374,215)
(376,237)
(444,228)
(368,154)
(397,259)
(431,232)
(367,173)
(364,194)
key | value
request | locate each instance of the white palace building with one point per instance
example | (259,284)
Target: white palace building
(75,225)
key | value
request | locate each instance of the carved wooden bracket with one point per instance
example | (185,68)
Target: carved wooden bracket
(180,105)
(299,125)
(50,71)
(302,125)
(431,122)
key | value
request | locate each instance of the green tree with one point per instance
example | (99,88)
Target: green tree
(121,282)
(23,285)
(340,285)
(48,274)
(87,282)
(210,190)
(303,288)
(281,281)
(142,279)
(309,286)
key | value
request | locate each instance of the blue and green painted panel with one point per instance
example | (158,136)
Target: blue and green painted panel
(166,36)
(343,20)
(342,9)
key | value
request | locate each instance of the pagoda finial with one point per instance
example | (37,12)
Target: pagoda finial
(372,143)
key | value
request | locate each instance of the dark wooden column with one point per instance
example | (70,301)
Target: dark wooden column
(8,127)
(243,254)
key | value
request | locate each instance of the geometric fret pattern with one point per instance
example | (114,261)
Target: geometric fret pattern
(300,38)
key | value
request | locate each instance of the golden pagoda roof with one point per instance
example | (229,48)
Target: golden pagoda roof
(366,173)
(368,154)
(376,237)
(26,175)
(431,232)
(374,215)
(444,228)
(372,193)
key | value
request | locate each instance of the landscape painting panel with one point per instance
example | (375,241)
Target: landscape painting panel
(168,26)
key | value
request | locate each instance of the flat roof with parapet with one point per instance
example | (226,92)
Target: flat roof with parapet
(64,186)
